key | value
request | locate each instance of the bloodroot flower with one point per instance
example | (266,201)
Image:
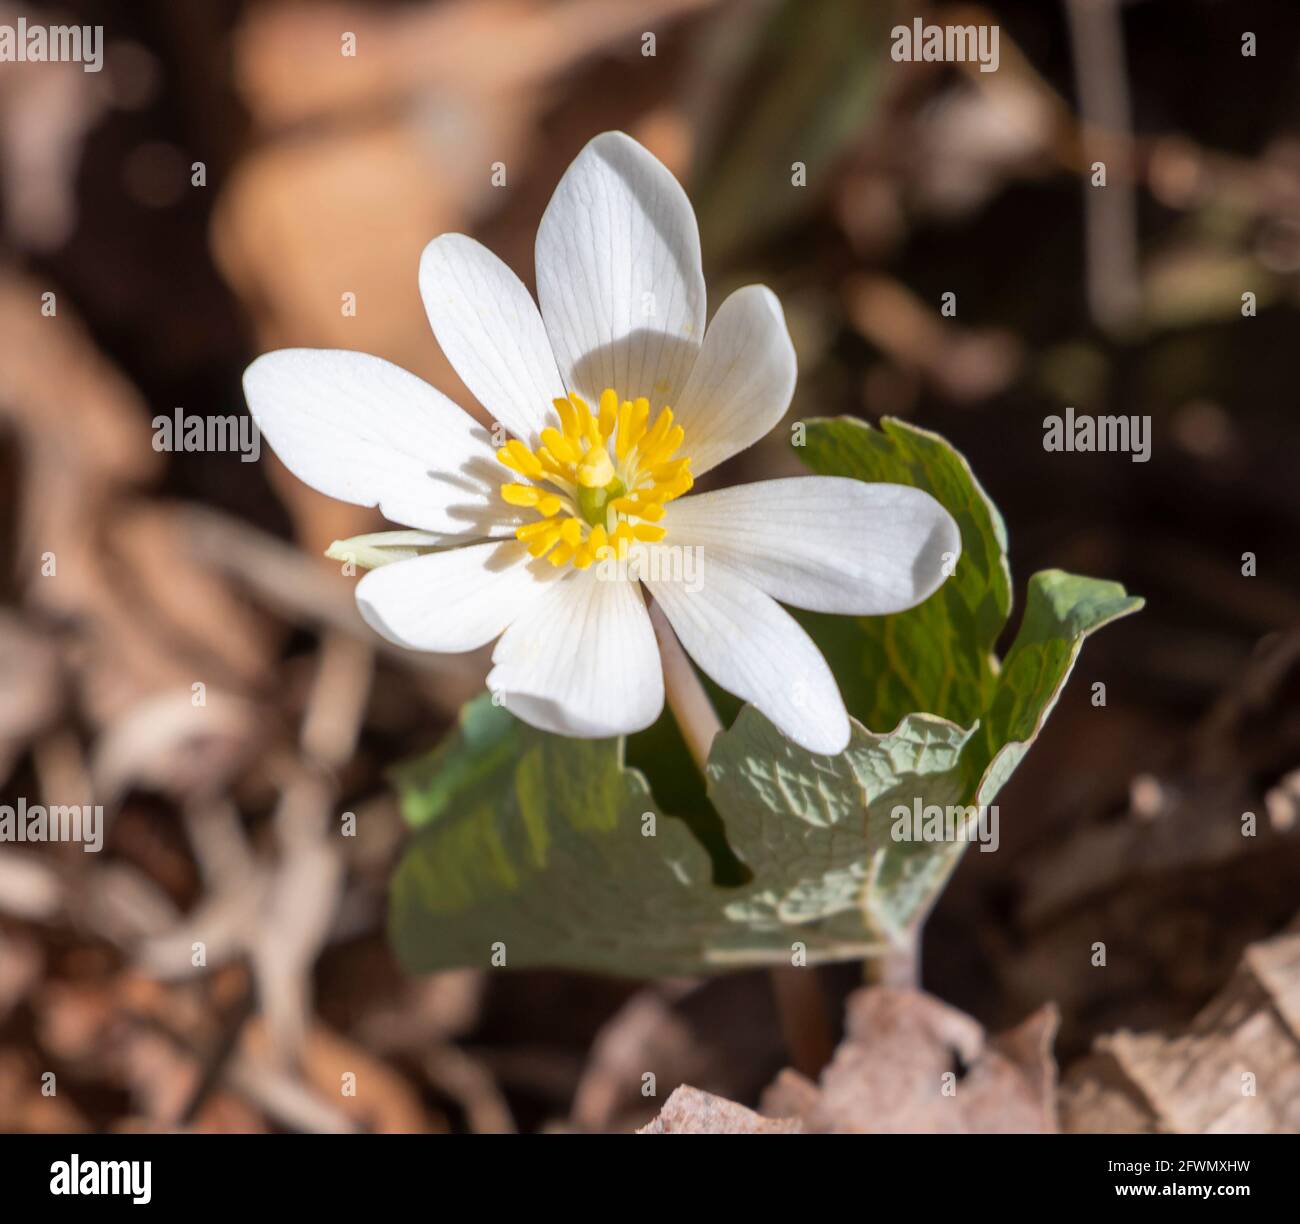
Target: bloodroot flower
(611,401)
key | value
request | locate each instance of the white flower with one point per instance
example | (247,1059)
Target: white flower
(621,328)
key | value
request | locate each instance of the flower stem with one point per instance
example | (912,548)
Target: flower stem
(800,1003)
(690,704)
(900,966)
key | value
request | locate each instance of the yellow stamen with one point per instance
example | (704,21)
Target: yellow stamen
(655,455)
(533,531)
(640,415)
(539,546)
(559,446)
(608,411)
(622,540)
(521,495)
(568,417)
(624,425)
(598,481)
(587,425)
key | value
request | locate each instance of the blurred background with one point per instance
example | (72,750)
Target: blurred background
(324,175)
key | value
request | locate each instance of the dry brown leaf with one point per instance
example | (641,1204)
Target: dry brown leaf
(908,1064)
(911,1064)
(720,1035)
(383,1100)
(147,618)
(46,110)
(167,743)
(290,67)
(23,1107)
(22,961)
(692,1112)
(33,682)
(1236,1070)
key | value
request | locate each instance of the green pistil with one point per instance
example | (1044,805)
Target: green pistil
(592,502)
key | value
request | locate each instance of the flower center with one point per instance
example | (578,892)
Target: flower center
(599,482)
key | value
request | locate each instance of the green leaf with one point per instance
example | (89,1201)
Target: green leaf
(468,760)
(1060,611)
(566,861)
(551,851)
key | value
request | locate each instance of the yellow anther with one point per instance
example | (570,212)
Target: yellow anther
(561,554)
(571,531)
(553,469)
(670,470)
(587,427)
(683,483)
(654,455)
(516,456)
(539,546)
(648,533)
(640,415)
(533,531)
(539,536)
(608,411)
(559,446)
(658,431)
(598,542)
(521,495)
(622,539)
(568,417)
(623,442)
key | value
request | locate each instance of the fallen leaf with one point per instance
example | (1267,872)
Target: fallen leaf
(1235,1070)
(692,1112)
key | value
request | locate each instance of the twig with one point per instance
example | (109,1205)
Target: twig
(800,1004)
(214,1065)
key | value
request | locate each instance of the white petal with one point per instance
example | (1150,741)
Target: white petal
(583,660)
(454,600)
(619,275)
(824,542)
(752,647)
(366,431)
(488,325)
(742,381)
